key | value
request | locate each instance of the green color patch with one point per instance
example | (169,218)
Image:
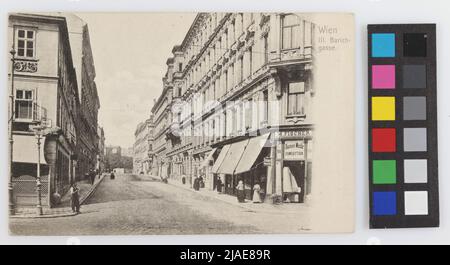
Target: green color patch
(384,172)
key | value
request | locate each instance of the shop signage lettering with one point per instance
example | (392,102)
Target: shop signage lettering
(294,150)
(303,133)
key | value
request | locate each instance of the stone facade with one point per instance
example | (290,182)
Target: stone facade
(45,93)
(237,77)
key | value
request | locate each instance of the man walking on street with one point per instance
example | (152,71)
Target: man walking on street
(92,176)
(75,198)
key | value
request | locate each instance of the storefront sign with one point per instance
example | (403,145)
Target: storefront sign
(297,133)
(294,150)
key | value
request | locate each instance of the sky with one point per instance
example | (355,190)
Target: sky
(130,51)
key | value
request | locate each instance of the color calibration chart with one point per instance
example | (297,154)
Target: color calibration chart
(403,165)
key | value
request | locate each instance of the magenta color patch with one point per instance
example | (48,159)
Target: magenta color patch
(383,76)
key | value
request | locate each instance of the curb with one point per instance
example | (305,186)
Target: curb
(66,214)
(93,189)
(242,205)
(43,216)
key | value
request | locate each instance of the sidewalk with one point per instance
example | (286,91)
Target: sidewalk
(64,207)
(266,207)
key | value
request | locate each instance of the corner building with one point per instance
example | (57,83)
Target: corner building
(237,105)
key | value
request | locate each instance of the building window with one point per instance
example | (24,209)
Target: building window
(26,43)
(24,104)
(250,60)
(231,77)
(180,67)
(233,120)
(296,96)
(248,114)
(290,32)
(226,81)
(241,69)
(266,48)
(265,115)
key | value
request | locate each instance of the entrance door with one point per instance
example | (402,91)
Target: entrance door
(297,169)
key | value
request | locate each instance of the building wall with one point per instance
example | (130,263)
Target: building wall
(88,148)
(141,148)
(49,74)
(257,67)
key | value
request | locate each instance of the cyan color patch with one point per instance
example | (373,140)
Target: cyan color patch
(385,203)
(383,45)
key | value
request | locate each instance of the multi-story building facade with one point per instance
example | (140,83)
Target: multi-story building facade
(101,157)
(141,148)
(87,118)
(162,117)
(236,104)
(45,92)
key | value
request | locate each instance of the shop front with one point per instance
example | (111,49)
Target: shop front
(293,164)
(243,161)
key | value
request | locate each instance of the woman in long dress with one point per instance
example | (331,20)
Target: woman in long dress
(257,193)
(240,191)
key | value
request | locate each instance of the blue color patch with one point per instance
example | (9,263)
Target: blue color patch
(385,203)
(383,45)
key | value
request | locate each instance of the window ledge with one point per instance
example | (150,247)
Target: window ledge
(17,58)
(295,118)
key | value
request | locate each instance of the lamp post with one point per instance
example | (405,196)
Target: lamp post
(38,132)
(11,140)
(38,174)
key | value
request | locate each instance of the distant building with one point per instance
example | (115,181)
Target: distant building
(115,159)
(45,91)
(87,118)
(162,118)
(129,151)
(101,157)
(141,148)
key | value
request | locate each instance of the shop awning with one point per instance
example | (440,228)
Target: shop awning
(233,156)
(251,153)
(208,158)
(220,159)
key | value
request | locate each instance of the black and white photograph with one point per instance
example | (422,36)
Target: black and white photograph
(180,123)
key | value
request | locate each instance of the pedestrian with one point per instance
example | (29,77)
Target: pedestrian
(196,184)
(201,182)
(219,185)
(240,191)
(112,176)
(257,193)
(75,198)
(92,176)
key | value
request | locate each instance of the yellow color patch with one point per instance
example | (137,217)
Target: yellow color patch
(383,108)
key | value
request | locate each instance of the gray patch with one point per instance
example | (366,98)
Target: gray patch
(414,76)
(414,108)
(415,139)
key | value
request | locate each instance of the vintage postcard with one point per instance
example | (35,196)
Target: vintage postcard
(181,123)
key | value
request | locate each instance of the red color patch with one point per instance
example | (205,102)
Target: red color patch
(383,140)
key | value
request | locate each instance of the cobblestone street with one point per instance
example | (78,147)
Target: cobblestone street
(131,206)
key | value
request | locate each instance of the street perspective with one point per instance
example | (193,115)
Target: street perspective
(180,123)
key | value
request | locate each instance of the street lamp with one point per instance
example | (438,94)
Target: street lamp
(11,140)
(42,128)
